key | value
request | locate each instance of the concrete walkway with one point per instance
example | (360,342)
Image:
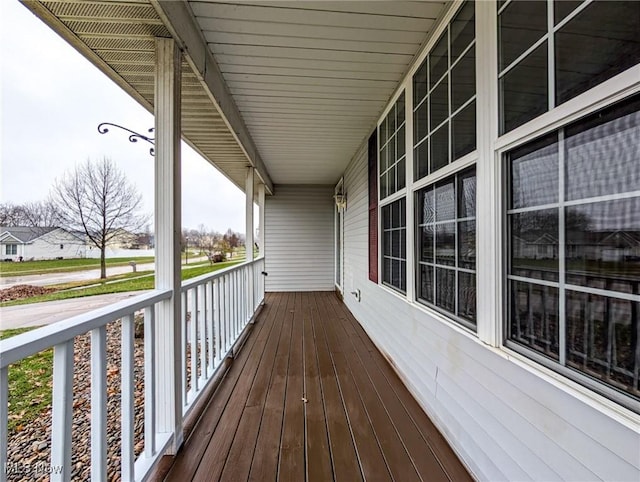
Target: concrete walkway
(37,314)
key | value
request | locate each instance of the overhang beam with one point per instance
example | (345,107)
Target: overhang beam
(179,20)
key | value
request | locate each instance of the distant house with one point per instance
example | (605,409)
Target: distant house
(34,243)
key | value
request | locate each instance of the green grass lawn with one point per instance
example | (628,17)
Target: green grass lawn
(116,284)
(63,265)
(30,382)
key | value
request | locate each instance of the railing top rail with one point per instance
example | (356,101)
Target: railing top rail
(26,344)
(191,283)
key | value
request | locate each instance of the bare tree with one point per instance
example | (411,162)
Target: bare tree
(97,199)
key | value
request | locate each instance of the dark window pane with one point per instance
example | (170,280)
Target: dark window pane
(439,104)
(463,30)
(400,110)
(426,244)
(534,244)
(420,122)
(603,152)
(383,132)
(403,276)
(467,244)
(520,25)
(386,248)
(425,283)
(463,128)
(391,121)
(383,159)
(401,174)
(400,143)
(467,193)
(395,244)
(386,270)
(603,245)
(534,317)
(383,186)
(445,194)
(386,217)
(446,244)
(524,91)
(600,42)
(463,80)
(563,8)
(446,289)
(534,173)
(438,60)
(421,159)
(467,296)
(440,148)
(420,84)
(602,338)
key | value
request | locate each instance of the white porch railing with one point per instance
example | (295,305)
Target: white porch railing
(215,309)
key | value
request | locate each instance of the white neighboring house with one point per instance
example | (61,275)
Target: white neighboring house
(33,243)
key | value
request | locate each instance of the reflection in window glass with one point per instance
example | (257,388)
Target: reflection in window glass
(463,131)
(579,243)
(446,248)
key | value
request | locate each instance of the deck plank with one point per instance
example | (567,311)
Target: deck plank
(318,456)
(189,457)
(438,445)
(346,466)
(215,456)
(291,462)
(359,421)
(264,465)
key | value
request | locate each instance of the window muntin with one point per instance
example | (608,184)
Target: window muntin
(392,150)
(11,249)
(550,55)
(446,246)
(444,90)
(574,270)
(394,243)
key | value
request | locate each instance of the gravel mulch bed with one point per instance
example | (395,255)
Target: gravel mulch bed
(30,447)
(19,292)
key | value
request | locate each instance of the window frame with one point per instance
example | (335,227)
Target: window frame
(559,366)
(11,249)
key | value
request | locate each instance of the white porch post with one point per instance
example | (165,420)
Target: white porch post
(261,195)
(167,230)
(249,214)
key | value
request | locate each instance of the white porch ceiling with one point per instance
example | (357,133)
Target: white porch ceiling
(310,78)
(291,88)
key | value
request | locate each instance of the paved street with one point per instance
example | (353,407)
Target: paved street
(48,312)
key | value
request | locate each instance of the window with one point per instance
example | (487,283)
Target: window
(446,241)
(550,55)
(573,222)
(394,242)
(392,150)
(444,90)
(11,249)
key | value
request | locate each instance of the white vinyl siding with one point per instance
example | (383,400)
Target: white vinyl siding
(299,238)
(505,419)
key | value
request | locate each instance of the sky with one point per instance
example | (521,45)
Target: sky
(52,100)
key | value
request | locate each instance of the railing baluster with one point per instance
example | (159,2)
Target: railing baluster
(99,403)
(149,381)
(62,411)
(127,398)
(193,342)
(4,420)
(227,311)
(202,314)
(210,330)
(183,329)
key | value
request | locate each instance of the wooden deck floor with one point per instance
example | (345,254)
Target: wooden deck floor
(309,397)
